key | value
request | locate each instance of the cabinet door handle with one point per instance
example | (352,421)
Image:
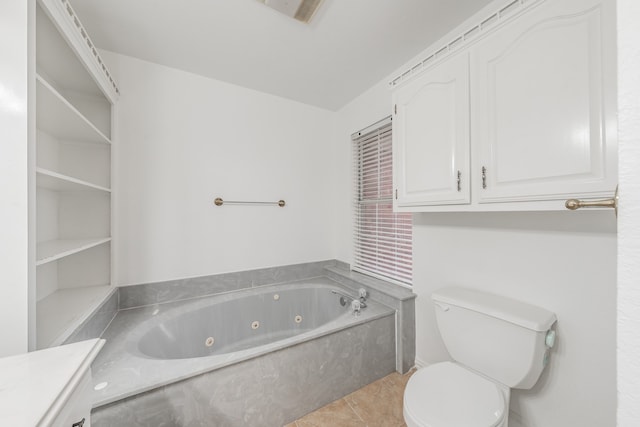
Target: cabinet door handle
(79,423)
(574,204)
(484,177)
(459,182)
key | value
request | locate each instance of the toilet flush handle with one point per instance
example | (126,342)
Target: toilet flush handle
(550,338)
(443,307)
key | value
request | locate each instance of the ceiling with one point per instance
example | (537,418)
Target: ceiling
(348,46)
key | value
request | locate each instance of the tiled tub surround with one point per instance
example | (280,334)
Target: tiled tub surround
(98,321)
(396,297)
(174,290)
(400,299)
(271,384)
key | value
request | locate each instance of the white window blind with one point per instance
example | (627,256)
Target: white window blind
(383,241)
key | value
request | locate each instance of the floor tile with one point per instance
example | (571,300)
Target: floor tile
(378,404)
(335,414)
(397,383)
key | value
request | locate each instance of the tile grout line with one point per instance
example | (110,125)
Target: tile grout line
(354,411)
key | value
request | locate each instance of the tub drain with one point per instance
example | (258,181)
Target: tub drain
(255,324)
(209,342)
(298,319)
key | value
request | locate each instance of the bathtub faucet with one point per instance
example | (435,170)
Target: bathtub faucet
(356,303)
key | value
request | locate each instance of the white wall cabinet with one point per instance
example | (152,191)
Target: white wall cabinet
(540,89)
(431,137)
(72,174)
(542,115)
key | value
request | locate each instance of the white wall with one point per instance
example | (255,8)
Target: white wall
(183,140)
(558,260)
(629,220)
(14,160)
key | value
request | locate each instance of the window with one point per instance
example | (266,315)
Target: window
(383,246)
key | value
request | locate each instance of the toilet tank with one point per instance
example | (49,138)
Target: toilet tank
(501,338)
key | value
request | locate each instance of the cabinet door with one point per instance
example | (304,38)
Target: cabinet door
(77,409)
(431,137)
(543,105)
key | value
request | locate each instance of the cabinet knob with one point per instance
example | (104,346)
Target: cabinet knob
(574,204)
(484,178)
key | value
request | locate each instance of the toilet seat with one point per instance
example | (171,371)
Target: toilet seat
(449,395)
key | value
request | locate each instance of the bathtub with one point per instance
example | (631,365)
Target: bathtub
(262,356)
(260,318)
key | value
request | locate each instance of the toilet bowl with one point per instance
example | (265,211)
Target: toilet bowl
(449,395)
(495,344)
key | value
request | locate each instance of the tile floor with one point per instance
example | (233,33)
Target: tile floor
(378,404)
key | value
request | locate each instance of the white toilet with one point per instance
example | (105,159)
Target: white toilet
(496,343)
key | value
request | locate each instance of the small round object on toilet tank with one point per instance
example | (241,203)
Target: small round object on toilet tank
(550,338)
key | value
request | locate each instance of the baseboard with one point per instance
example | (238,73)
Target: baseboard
(421,363)
(515,420)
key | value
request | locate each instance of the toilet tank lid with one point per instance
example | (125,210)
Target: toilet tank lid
(516,312)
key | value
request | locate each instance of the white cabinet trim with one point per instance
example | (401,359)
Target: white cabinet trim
(459,38)
(63,16)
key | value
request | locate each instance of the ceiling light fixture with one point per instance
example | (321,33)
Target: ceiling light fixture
(302,10)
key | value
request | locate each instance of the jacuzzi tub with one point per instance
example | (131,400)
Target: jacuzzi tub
(259,318)
(293,343)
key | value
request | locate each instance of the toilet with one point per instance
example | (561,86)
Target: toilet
(496,344)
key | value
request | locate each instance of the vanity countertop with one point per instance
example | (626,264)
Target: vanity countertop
(35,386)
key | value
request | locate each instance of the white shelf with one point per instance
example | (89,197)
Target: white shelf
(60,313)
(58,182)
(55,115)
(74,97)
(55,249)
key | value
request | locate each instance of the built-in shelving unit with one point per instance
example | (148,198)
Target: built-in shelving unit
(74,99)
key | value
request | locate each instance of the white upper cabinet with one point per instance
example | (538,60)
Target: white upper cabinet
(431,137)
(524,110)
(541,106)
